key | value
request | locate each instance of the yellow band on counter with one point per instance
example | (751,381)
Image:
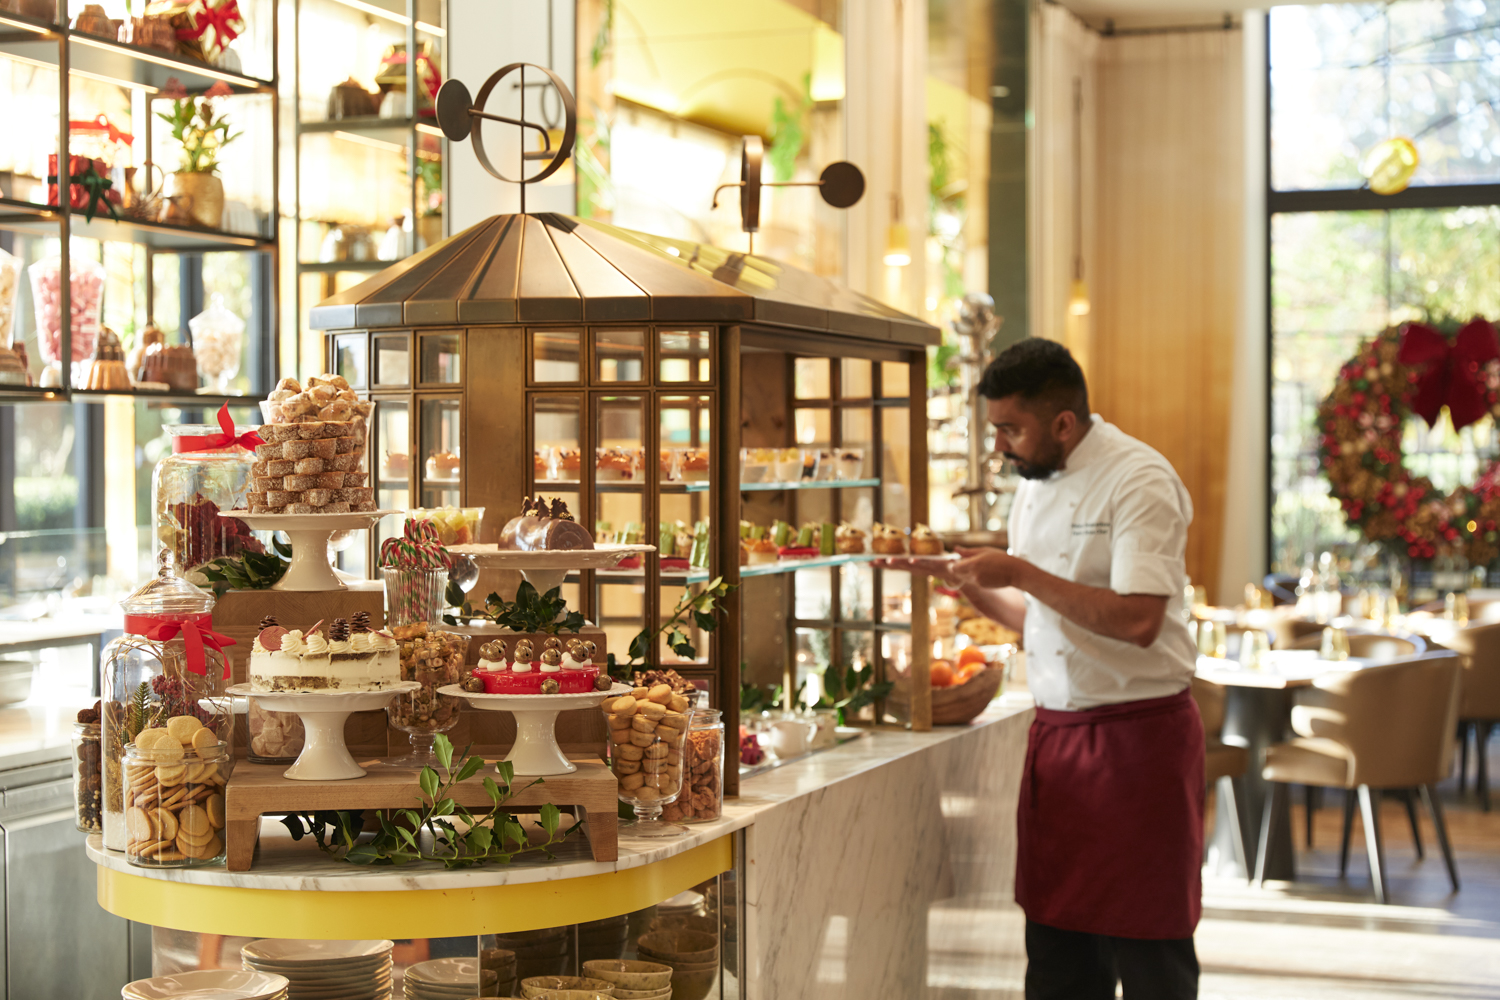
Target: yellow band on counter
(407,913)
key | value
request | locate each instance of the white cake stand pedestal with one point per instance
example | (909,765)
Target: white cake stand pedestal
(309,534)
(536,753)
(549,567)
(324,757)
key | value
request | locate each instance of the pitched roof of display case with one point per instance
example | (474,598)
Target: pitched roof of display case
(549,268)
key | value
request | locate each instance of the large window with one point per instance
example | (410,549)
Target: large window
(1345,262)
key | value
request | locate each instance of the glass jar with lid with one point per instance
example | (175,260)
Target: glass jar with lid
(174,800)
(702,797)
(167,664)
(208,471)
(88,774)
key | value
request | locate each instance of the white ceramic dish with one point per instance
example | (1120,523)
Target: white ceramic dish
(309,534)
(535,751)
(208,984)
(320,953)
(324,757)
(548,568)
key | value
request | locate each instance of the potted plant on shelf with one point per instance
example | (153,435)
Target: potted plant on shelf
(194,194)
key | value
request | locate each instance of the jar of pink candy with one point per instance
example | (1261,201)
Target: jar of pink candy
(86,289)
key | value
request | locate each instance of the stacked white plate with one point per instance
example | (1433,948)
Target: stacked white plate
(325,970)
(449,979)
(209,984)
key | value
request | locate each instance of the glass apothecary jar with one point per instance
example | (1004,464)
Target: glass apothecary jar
(218,340)
(168,664)
(88,774)
(702,797)
(85,298)
(208,471)
(174,796)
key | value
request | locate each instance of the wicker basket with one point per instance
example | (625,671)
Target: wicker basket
(956,705)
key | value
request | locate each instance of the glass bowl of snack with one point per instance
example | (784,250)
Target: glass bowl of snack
(435,659)
(647,734)
(756,464)
(455,525)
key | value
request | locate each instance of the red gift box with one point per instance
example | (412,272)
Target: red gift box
(79,196)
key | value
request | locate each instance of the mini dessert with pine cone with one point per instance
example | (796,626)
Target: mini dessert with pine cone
(526,669)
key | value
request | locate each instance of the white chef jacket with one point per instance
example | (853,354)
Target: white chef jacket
(1116,516)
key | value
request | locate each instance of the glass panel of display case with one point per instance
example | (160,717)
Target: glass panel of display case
(856,592)
(813,428)
(556,356)
(353,196)
(622,612)
(556,426)
(619,355)
(618,456)
(816,506)
(685,516)
(811,378)
(392,360)
(855,452)
(440,358)
(621,519)
(349,358)
(858,508)
(392,463)
(686,423)
(895,597)
(813,593)
(340,42)
(683,356)
(812,651)
(671,593)
(856,653)
(856,380)
(895,465)
(441,433)
(895,379)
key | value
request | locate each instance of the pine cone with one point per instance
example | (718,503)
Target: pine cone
(269,621)
(360,622)
(339,630)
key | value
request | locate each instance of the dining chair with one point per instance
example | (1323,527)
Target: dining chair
(1224,764)
(1385,726)
(1478,700)
(1287,628)
(1380,647)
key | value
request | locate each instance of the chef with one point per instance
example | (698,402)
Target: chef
(1110,823)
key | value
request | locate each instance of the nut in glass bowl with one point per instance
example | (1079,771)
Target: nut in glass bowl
(647,732)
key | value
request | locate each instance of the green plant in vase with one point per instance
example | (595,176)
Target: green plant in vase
(194,194)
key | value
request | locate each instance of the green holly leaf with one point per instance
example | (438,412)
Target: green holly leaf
(429,783)
(481,837)
(492,790)
(443,748)
(471,767)
(551,819)
(706,622)
(507,772)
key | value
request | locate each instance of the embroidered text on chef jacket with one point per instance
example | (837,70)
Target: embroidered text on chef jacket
(1117,517)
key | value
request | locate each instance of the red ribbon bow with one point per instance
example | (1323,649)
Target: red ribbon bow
(196,632)
(1452,375)
(208,442)
(225,19)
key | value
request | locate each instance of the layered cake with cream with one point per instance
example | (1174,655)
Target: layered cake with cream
(351,657)
(554,669)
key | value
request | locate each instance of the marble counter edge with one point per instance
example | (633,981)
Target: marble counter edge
(313,872)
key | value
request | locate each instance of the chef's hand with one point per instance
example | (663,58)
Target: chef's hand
(990,569)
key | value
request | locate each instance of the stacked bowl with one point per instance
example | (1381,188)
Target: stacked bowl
(605,938)
(449,979)
(692,955)
(633,980)
(502,962)
(221,984)
(546,986)
(538,953)
(325,970)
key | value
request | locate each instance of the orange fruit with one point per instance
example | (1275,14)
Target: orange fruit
(969,671)
(942,673)
(970,654)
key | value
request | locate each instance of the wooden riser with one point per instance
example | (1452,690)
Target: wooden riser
(257,789)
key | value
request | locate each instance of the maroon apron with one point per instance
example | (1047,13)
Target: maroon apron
(1110,825)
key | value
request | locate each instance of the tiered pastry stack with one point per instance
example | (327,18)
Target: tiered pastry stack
(312,461)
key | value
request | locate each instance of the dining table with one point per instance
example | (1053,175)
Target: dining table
(1257,713)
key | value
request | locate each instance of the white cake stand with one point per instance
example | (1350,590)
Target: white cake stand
(536,753)
(309,534)
(324,757)
(548,568)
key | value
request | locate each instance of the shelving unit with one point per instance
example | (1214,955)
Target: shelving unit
(89,75)
(360,203)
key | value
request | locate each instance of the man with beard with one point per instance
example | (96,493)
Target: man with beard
(1110,834)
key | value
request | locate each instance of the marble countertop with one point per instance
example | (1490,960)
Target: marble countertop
(287,865)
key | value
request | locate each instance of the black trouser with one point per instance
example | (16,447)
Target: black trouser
(1072,965)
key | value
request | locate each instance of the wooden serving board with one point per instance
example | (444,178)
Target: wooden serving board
(257,789)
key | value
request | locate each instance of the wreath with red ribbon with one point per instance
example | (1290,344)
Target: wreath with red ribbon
(1410,369)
